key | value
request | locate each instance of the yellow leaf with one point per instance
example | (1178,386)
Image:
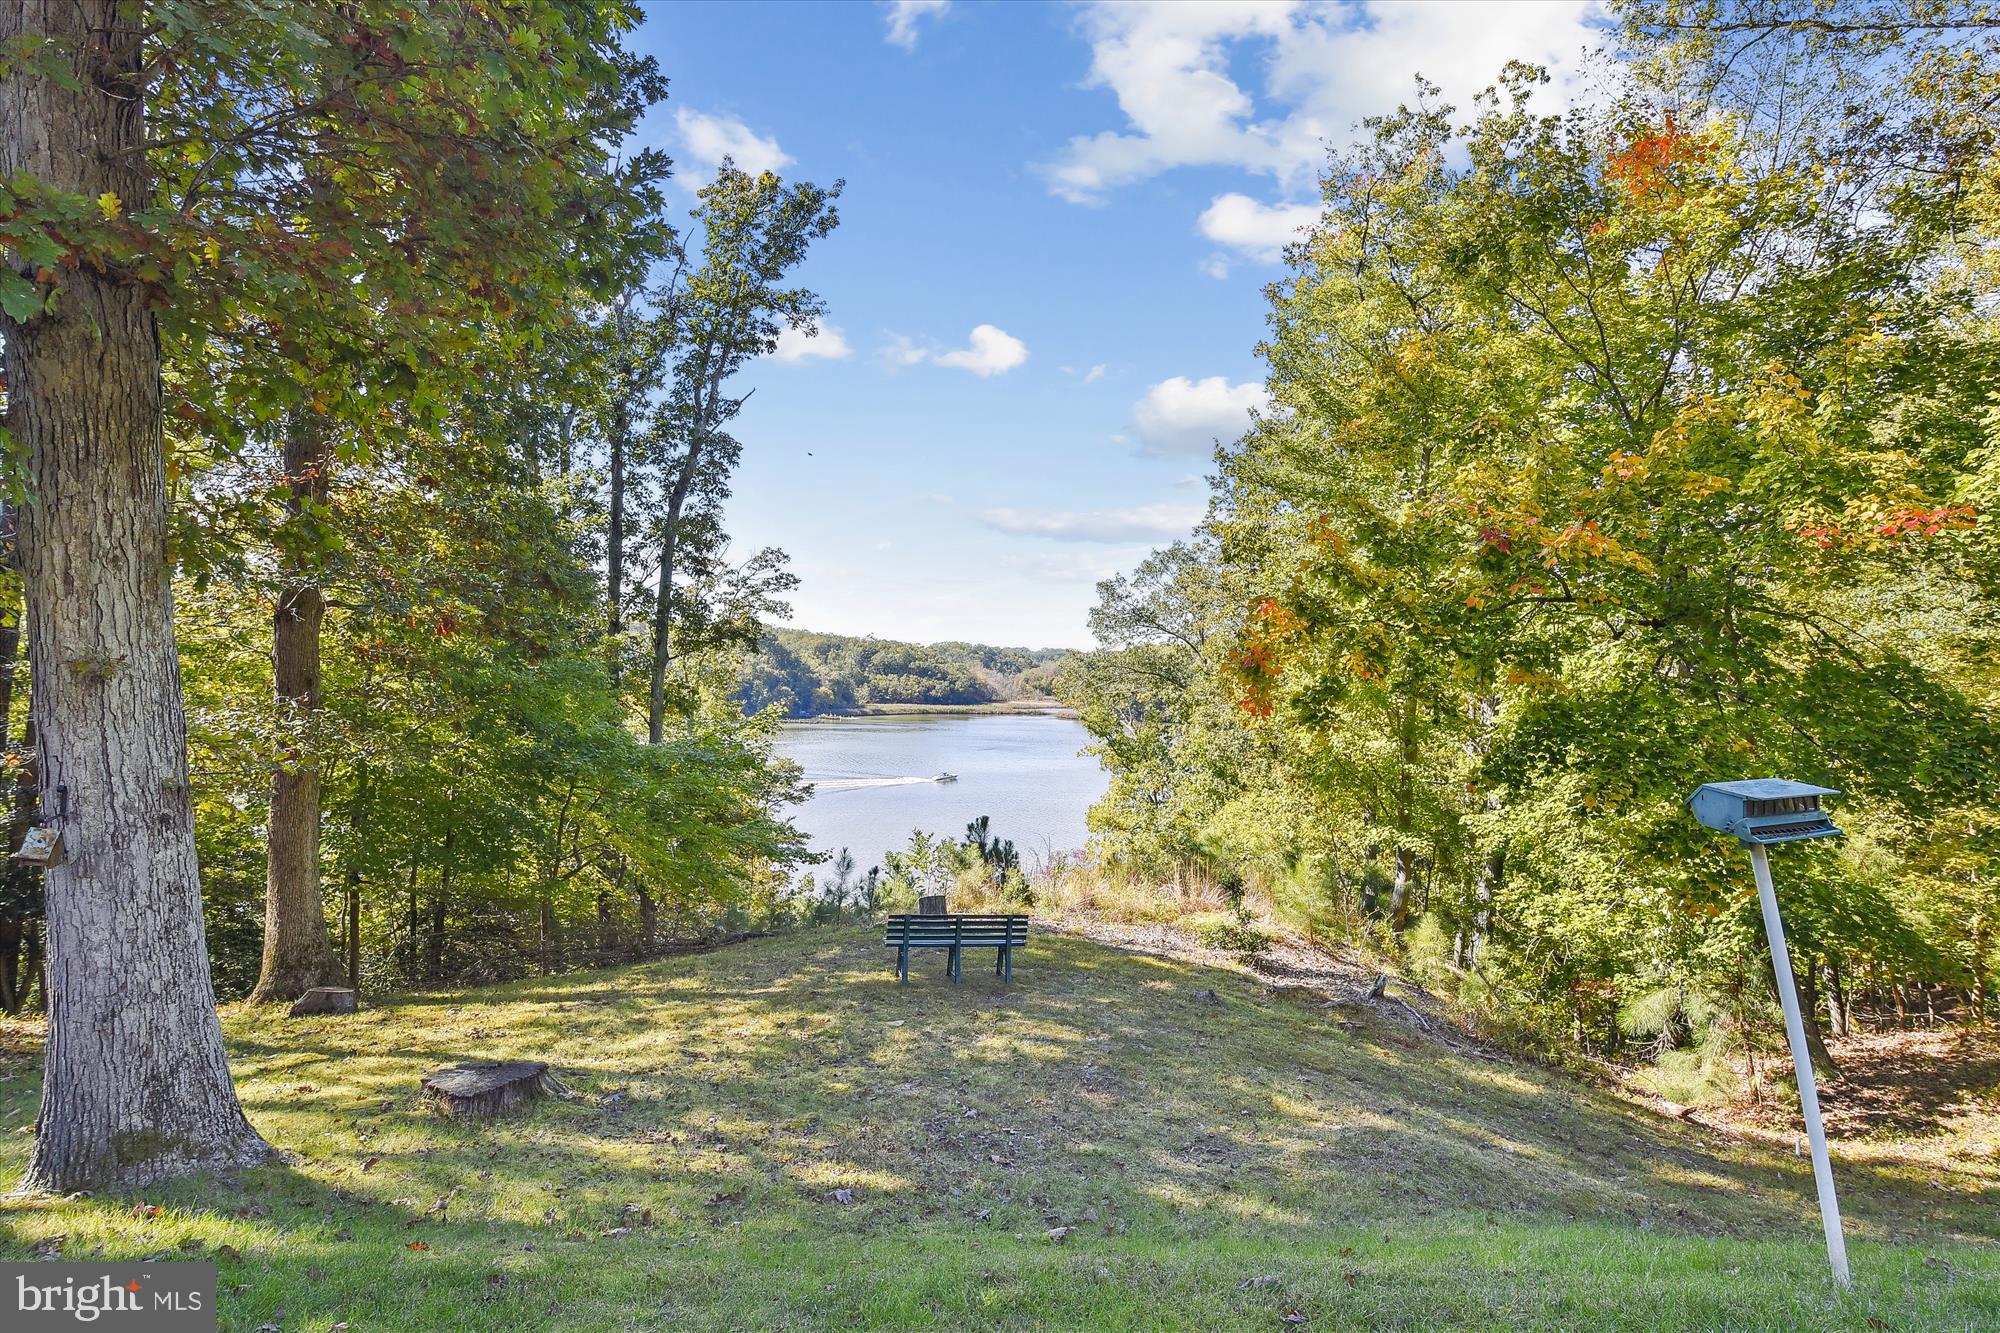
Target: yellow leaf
(109,204)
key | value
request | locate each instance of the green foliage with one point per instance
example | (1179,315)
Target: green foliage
(1609,452)
(391,249)
(1227,930)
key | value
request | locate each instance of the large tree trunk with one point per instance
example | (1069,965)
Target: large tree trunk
(298,950)
(136,1085)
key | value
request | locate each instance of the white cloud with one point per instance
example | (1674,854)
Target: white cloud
(1253,230)
(795,345)
(706,140)
(901,351)
(1323,68)
(988,351)
(991,351)
(1141,523)
(1215,266)
(1095,374)
(902,18)
(1184,416)
(1075,565)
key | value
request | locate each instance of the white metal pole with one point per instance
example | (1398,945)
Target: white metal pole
(1795,1032)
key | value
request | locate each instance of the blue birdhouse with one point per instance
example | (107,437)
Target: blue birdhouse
(1763,812)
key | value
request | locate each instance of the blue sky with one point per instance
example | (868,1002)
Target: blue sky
(1047,287)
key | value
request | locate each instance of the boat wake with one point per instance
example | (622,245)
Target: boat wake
(860,784)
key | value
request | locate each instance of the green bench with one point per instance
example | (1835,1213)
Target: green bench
(958,932)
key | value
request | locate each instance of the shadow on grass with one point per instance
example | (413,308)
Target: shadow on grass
(790,1092)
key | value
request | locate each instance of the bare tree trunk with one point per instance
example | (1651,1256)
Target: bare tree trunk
(353,906)
(1491,876)
(23,880)
(298,951)
(649,922)
(663,608)
(614,554)
(434,940)
(1822,1059)
(136,1085)
(547,941)
(1399,892)
(607,929)
(1837,1007)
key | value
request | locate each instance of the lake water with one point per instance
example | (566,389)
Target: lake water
(872,779)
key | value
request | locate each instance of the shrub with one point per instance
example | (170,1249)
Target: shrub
(1223,930)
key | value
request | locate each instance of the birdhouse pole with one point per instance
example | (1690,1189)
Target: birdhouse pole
(1761,813)
(1795,1033)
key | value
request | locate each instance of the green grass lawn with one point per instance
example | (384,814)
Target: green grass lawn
(1234,1162)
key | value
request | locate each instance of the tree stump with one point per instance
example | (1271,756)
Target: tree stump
(325,1000)
(486,1089)
(931,904)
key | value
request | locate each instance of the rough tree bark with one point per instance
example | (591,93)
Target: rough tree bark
(298,950)
(136,1085)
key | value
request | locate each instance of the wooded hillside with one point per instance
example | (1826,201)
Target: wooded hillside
(804,674)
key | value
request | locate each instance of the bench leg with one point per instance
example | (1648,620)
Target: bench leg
(957,966)
(903,967)
(1007,954)
(998,954)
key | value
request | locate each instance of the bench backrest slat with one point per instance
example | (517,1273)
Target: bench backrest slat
(957,930)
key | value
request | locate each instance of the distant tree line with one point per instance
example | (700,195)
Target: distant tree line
(803,674)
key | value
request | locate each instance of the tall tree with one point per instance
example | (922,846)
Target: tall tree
(418,292)
(136,1084)
(754,230)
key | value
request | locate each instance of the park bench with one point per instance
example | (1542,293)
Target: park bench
(956,932)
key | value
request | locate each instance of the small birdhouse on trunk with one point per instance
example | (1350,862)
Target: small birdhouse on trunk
(41,846)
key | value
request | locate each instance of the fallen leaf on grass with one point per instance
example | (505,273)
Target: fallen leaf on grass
(1347,1251)
(1057,1235)
(1292,1317)
(418,1245)
(617,1231)
(145,1210)
(1257,1283)
(229,1252)
(840,1196)
(371,1164)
